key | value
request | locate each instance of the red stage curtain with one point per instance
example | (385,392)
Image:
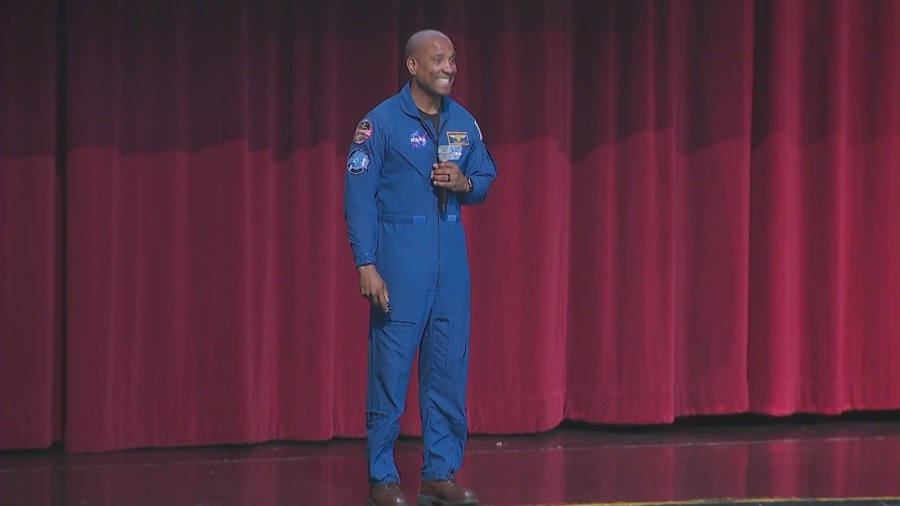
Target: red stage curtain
(31,364)
(698,212)
(825,209)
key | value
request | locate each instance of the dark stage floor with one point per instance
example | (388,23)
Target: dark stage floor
(846,460)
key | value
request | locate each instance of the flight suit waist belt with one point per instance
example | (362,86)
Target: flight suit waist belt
(415,219)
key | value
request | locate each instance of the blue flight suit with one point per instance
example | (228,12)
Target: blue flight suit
(393,221)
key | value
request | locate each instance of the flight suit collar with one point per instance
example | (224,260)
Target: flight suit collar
(408,105)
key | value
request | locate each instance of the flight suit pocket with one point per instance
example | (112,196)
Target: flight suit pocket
(382,319)
(441,337)
(392,346)
(449,346)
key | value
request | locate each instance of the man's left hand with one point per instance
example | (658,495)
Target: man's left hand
(447,175)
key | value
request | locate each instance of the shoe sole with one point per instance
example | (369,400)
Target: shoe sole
(428,500)
(370,503)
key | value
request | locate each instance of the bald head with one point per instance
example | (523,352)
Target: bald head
(417,40)
(431,63)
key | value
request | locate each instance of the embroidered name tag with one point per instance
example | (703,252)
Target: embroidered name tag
(458,138)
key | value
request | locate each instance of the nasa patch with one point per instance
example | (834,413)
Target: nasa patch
(418,140)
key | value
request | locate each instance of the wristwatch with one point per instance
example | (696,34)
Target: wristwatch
(471,187)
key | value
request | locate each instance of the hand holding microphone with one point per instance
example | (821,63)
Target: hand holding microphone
(446,177)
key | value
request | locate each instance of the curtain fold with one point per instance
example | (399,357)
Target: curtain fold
(825,209)
(698,213)
(31,344)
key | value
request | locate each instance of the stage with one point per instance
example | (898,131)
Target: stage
(749,460)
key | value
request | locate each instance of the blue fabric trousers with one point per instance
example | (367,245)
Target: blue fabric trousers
(443,345)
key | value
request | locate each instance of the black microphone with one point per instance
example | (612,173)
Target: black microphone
(443,193)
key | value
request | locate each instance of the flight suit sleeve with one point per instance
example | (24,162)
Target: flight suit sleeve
(363,169)
(482,169)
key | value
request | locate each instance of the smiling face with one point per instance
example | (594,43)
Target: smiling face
(432,66)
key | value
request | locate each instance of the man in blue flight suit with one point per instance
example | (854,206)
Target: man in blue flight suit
(404,154)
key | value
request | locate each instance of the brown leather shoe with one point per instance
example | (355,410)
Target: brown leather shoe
(445,493)
(386,494)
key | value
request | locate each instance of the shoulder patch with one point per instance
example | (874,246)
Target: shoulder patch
(363,131)
(358,161)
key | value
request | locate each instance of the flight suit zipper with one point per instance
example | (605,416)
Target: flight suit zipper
(437,212)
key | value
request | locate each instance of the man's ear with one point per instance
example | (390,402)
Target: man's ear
(411,65)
